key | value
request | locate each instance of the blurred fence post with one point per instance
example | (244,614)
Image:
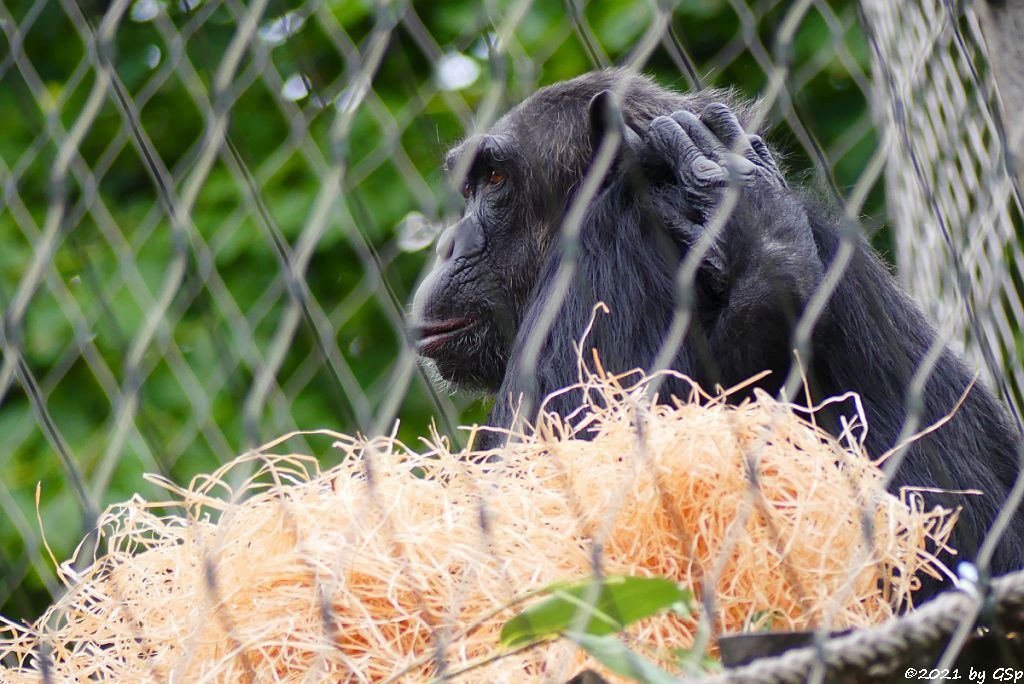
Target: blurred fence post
(1003,25)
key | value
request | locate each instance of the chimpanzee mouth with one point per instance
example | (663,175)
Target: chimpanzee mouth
(433,337)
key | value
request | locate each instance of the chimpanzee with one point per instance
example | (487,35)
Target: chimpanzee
(499,268)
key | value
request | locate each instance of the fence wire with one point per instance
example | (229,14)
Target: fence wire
(215,212)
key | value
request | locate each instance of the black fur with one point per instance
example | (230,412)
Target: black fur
(476,310)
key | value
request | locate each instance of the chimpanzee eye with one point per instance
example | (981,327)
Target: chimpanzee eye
(467,189)
(495,177)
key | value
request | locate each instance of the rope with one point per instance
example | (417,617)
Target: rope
(870,654)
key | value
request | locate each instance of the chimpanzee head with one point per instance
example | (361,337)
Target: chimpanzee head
(517,179)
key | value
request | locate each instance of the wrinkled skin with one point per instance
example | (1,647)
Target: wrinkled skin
(497,269)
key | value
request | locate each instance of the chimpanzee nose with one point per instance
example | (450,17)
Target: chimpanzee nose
(446,243)
(464,239)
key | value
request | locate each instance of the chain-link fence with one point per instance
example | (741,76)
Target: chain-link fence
(214,213)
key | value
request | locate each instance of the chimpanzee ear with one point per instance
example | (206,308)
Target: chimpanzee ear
(606,116)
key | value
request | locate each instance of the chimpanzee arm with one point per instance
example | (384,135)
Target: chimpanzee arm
(763,266)
(771,269)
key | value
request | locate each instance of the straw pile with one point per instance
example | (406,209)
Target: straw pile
(381,565)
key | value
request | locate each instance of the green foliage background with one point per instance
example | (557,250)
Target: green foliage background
(386,177)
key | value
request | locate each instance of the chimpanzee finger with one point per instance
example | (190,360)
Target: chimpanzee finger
(761,149)
(699,133)
(723,123)
(766,160)
(742,161)
(752,148)
(740,170)
(675,147)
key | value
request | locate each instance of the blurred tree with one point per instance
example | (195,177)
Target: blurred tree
(440,64)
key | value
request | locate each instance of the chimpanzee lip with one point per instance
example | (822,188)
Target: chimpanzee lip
(435,335)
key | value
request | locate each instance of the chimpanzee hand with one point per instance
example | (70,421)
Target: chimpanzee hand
(702,156)
(691,160)
(764,262)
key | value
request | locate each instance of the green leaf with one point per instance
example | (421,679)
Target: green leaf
(689,660)
(617,657)
(761,621)
(595,607)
